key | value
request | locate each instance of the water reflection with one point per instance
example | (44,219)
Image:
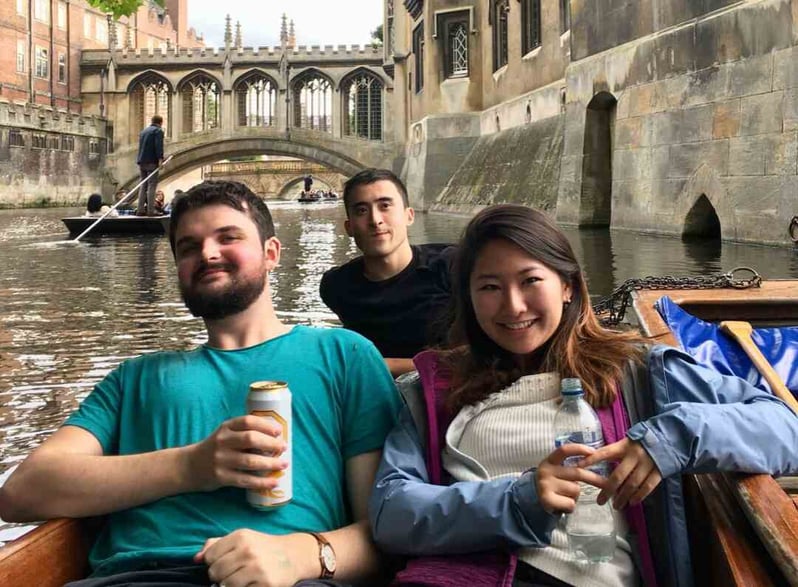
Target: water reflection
(68,315)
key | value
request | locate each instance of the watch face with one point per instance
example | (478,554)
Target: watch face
(328,558)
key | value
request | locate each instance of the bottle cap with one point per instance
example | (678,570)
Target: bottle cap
(571,386)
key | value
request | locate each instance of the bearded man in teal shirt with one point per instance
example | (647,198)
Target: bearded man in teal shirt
(163,448)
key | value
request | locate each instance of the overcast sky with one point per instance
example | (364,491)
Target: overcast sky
(317,22)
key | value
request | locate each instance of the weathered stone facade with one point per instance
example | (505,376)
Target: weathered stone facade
(49,157)
(666,116)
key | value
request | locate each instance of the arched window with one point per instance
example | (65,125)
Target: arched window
(499,21)
(256,97)
(363,106)
(201,103)
(149,95)
(312,97)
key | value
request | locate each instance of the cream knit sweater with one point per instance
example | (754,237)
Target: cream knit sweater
(506,434)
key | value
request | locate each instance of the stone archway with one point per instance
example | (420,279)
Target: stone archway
(702,209)
(291,189)
(702,221)
(595,204)
(195,155)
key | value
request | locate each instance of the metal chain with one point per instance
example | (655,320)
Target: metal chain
(612,309)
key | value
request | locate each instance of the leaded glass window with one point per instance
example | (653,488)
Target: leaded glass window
(455,50)
(500,10)
(418,52)
(530,25)
(565,15)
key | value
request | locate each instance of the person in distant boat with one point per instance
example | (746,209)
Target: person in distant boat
(159,203)
(171,203)
(95,207)
(163,448)
(150,158)
(395,294)
(471,484)
(122,195)
(308,183)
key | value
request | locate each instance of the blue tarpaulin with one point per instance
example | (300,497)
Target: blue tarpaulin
(711,347)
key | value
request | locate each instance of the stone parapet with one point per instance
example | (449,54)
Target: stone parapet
(182,55)
(47,119)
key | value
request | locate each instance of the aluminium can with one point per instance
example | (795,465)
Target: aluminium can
(272,400)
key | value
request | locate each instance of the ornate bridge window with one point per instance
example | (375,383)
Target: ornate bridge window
(363,106)
(312,98)
(256,96)
(149,95)
(201,103)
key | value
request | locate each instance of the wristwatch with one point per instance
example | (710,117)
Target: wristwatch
(326,556)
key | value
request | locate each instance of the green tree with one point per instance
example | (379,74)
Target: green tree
(120,8)
(376,35)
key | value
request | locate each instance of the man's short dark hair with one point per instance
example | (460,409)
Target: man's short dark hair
(225,193)
(368,176)
(157,119)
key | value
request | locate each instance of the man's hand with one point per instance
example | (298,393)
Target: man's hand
(635,477)
(246,557)
(558,485)
(236,453)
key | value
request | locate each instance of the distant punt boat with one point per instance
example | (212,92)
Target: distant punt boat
(118,225)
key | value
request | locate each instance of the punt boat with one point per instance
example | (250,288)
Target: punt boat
(743,528)
(126,225)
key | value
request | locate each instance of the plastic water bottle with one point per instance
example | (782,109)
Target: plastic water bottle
(591,527)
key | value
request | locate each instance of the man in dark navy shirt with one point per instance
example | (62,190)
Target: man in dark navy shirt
(149,159)
(395,294)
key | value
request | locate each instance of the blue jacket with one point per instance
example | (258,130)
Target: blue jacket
(150,146)
(689,418)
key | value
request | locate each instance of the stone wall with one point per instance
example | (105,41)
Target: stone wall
(49,157)
(676,117)
(705,129)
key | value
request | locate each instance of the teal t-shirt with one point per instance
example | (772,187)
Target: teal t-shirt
(344,404)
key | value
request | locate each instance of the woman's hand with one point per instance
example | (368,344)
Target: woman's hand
(558,485)
(635,477)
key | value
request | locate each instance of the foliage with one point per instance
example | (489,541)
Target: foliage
(376,35)
(120,8)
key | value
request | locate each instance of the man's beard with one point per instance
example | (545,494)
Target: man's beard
(236,297)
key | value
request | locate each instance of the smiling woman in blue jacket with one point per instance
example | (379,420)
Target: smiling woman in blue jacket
(470,485)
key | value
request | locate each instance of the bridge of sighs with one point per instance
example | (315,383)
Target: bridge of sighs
(328,105)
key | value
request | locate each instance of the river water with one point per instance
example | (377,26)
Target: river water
(70,314)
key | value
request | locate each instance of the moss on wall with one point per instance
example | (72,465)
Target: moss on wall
(519,165)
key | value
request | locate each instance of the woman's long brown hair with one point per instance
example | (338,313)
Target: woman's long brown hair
(580,347)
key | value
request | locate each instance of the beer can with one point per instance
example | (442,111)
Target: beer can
(272,400)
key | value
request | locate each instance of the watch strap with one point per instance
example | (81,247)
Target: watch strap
(326,572)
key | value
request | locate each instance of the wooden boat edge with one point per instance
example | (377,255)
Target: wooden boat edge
(48,556)
(768,508)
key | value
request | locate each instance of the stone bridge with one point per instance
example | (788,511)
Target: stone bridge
(278,179)
(328,105)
